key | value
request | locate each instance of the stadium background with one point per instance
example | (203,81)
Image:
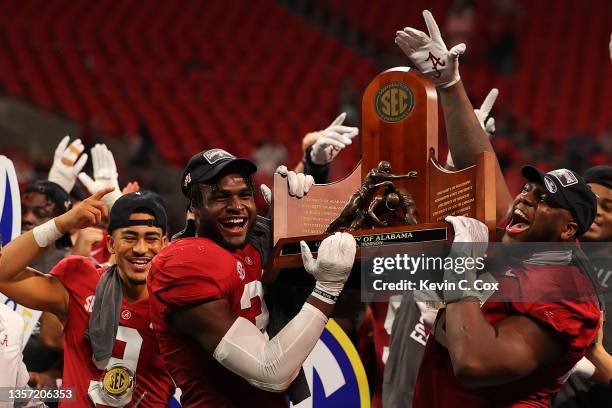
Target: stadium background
(159,81)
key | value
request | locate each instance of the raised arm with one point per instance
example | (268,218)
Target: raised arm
(243,349)
(483,354)
(29,287)
(466,138)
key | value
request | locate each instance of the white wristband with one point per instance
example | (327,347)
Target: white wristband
(328,292)
(46,234)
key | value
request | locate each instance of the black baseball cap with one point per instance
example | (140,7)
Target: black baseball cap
(208,164)
(566,189)
(54,192)
(127,204)
(599,175)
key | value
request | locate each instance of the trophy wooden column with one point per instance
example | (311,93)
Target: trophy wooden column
(400,125)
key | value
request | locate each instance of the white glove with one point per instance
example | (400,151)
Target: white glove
(105,174)
(471,241)
(333,139)
(481,113)
(266,193)
(468,230)
(485,109)
(429,53)
(299,183)
(65,164)
(331,269)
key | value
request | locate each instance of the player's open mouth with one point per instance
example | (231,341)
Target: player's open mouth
(140,264)
(519,222)
(234,225)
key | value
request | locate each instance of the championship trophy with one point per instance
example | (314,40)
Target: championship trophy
(398,193)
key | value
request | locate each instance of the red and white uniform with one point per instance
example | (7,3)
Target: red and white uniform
(135,344)
(574,322)
(192,271)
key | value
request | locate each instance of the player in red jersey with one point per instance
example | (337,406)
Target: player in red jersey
(514,353)
(207,300)
(110,354)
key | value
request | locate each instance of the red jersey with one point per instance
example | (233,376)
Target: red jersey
(192,271)
(135,344)
(575,322)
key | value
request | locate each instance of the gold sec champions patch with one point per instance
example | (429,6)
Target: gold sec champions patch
(117,381)
(394,102)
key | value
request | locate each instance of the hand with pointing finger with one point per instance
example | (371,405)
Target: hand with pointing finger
(487,122)
(332,140)
(88,213)
(429,53)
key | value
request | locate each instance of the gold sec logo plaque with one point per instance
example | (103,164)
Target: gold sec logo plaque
(394,102)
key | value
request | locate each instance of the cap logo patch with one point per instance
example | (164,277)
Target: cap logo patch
(550,185)
(565,177)
(214,155)
(187,179)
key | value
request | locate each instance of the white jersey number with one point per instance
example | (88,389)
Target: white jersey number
(251,290)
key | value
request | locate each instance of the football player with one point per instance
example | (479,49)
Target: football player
(207,300)
(511,353)
(111,356)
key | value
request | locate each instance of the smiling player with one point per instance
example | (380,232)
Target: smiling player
(207,298)
(114,331)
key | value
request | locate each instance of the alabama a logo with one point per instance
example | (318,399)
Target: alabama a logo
(435,61)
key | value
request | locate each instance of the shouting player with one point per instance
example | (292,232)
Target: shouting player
(207,298)
(110,355)
(510,353)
